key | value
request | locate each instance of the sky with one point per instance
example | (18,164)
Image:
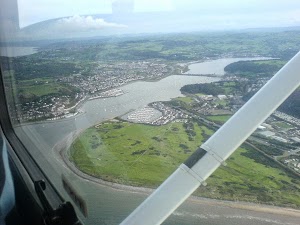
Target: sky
(74,16)
(282,11)
(32,11)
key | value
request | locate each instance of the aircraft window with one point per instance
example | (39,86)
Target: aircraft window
(111,97)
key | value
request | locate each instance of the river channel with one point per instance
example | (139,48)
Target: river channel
(107,205)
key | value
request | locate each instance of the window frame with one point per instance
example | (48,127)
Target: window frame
(24,163)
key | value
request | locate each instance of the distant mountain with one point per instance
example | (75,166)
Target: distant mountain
(273,29)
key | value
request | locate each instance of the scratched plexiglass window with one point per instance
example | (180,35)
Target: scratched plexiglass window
(110,97)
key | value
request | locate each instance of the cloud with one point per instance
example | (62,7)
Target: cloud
(84,23)
(71,27)
(294,17)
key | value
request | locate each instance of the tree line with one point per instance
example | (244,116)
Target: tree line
(253,68)
(207,88)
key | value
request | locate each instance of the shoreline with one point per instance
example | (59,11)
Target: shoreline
(79,104)
(87,99)
(62,152)
(51,121)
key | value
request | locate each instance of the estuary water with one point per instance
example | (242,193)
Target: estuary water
(17,51)
(216,66)
(110,206)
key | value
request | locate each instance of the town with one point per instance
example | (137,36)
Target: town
(102,82)
(108,76)
(108,94)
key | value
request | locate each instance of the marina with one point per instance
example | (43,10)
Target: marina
(108,94)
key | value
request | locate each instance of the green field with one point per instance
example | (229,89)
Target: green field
(187,100)
(283,125)
(219,119)
(128,153)
(222,102)
(230,87)
(251,177)
(144,155)
(36,88)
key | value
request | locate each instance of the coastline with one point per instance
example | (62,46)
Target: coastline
(62,151)
(50,121)
(80,103)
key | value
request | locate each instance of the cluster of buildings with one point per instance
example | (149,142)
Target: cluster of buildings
(271,133)
(287,118)
(101,82)
(151,69)
(145,115)
(293,163)
(273,129)
(108,94)
(288,136)
(49,107)
(95,83)
(210,105)
(110,76)
(168,114)
(155,114)
(259,82)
